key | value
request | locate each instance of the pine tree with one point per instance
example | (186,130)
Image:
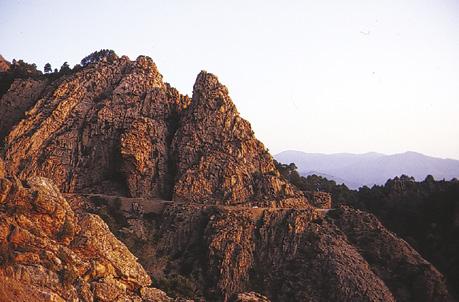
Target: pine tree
(48,68)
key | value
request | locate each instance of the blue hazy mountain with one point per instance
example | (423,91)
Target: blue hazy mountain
(356,170)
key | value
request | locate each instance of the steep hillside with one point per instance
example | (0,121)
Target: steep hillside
(286,254)
(48,252)
(190,191)
(137,136)
(425,213)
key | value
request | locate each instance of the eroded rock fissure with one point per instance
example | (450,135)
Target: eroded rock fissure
(173,123)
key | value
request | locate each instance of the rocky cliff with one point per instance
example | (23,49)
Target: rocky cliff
(48,252)
(22,94)
(218,158)
(187,188)
(287,254)
(139,137)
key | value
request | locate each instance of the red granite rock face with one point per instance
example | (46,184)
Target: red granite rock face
(4,64)
(321,200)
(2,169)
(250,297)
(284,254)
(118,141)
(22,95)
(404,271)
(218,158)
(85,124)
(139,137)
(147,161)
(48,252)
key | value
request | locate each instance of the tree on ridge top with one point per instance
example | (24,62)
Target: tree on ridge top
(47,68)
(98,56)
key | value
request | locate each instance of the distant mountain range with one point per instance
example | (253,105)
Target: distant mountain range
(356,170)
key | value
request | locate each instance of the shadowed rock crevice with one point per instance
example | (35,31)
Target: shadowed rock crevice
(173,123)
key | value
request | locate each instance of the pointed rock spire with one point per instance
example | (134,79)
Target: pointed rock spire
(219,160)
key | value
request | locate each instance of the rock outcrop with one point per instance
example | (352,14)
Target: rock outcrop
(22,94)
(84,124)
(218,252)
(140,137)
(187,188)
(321,200)
(250,297)
(403,270)
(51,253)
(2,168)
(4,64)
(218,158)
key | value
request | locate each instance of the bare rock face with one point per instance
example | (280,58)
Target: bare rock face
(218,158)
(2,168)
(147,162)
(284,254)
(50,253)
(87,122)
(120,142)
(20,97)
(144,161)
(321,200)
(4,64)
(250,297)
(140,138)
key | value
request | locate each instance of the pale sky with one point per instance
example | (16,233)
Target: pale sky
(315,76)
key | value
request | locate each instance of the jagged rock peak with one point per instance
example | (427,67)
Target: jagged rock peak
(138,136)
(218,158)
(209,92)
(146,62)
(206,81)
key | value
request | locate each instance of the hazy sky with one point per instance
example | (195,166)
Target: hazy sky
(316,76)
